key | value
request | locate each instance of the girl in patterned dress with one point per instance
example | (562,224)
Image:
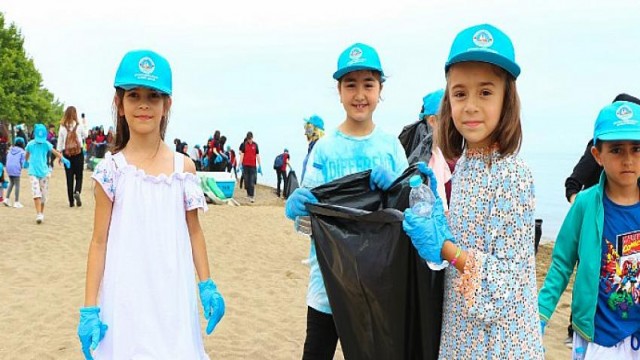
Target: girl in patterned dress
(140,298)
(489,309)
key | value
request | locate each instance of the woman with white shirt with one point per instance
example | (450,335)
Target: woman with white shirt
(72,150)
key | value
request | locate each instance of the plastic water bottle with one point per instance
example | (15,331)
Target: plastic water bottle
(302,225)
(421,200)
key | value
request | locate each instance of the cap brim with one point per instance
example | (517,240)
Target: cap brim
(487,57)
(342,72)
(307,121)
(128,87)
(619,135)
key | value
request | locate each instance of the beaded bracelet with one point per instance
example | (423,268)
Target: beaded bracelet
(455,258)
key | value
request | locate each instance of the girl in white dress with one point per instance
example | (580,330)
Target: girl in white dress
(140,298)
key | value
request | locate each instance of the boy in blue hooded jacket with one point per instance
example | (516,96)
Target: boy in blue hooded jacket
(601,233)
(37,153)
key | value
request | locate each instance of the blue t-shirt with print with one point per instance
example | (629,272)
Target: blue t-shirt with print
(337,155)
(618,309)
(38,158)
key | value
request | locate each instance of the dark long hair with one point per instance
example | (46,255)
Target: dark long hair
(122,128)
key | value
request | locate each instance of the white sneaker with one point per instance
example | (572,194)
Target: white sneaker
(39,218)
(568,342)
(252,199)
(6,202)
(17,205)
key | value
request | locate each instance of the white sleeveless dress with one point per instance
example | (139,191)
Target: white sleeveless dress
(148,293)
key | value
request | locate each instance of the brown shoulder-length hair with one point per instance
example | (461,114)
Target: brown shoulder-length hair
(122,135)
(70,117)
(3,131)
(507,135)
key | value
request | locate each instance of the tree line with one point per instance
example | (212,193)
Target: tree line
(23,98)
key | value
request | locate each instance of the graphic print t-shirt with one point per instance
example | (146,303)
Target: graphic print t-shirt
(618,309)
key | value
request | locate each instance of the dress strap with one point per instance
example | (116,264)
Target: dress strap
(178,162)
(119,160)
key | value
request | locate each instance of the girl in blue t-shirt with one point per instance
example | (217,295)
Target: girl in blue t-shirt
(356,145)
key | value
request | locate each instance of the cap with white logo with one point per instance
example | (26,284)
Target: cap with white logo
(358,57)
(618,121)
(484,43)
(144,68)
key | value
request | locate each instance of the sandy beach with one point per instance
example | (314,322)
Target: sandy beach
(255,259)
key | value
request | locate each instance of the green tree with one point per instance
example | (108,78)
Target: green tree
(23,98)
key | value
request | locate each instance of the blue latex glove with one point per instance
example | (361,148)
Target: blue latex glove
(438,208)
(381,178)
(218,159)
(433,182)
(424,235)
(296,203)
(428,234)
(212,303)
(260,169)
(543,325)
(240,168)
(66,162)
(90,330)
(25,164)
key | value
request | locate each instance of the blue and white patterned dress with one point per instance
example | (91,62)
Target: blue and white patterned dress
(490,310)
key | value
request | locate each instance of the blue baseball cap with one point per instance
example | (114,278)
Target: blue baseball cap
(618,121)
(358,57)
(144,68)
(484,43)
(40,133)
(431,103)
(19,140)
(316,121)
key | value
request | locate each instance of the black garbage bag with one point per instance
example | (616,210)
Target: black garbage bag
(292,184)
(417,140)
(386,302)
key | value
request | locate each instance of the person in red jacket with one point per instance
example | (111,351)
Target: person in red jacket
(250,163)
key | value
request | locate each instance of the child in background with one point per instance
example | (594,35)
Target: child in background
(603,227)
(490,297)
(36,157)
(15,163)
(356,145)
(313,131)
(437,162)
(147,237)
(4,183)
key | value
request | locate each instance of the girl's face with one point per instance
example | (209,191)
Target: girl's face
(144,108)
(621,161)
(476,94)
(359,94)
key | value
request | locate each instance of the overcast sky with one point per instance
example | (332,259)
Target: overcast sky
(265,65)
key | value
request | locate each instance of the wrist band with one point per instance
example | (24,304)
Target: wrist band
(455,258)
